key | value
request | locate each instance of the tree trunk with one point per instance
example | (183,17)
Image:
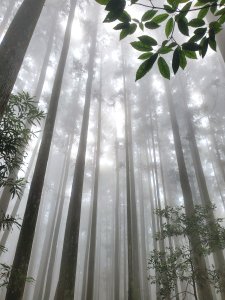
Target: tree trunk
(23,251)
(7,15)
(132,229)
(145,290)
(18,200)
(46,252)
(203,189)
(66,282)
(92,249)
(14,45)
(6,194)
(204,290)
(117,226)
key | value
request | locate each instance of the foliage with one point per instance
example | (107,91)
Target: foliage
(176,263)
(185,18)
(6,222)
(15,132)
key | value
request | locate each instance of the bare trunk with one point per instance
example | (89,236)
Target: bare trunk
(203,189)
(132,230)
(24,246)
(66,282)
(117,226)
(92,250)
(7,16)
(14,45)
(203,286)
(6,195)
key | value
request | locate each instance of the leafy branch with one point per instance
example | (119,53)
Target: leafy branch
(198,35)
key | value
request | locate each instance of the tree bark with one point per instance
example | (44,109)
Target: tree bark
(7,16)
(92,249)
(6,194)
(66,282)
(203,189)
(203,286)
(117,226)
(20,265)
(132,229)
(14,45)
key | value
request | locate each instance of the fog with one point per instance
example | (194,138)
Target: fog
(117,150)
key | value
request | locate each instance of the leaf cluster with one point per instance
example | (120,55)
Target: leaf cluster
(7,221)
(184,16)
(15,132)
(211,234)
(176,263)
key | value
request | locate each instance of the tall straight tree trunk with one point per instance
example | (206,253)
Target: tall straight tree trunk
(53,249)
(7,15)
(158,198)
(66,282)
(217,151)
(46,252)
(18,200)
(86,255)
(6,194)
(152,206)
(164,194)
(204,194)
(132,230)
(92,249)
(145,290)
(14,45)
(204,291)
(24,246)
(117,226)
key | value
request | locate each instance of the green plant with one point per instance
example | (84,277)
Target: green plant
(177,263)
(15,133)
(175,18)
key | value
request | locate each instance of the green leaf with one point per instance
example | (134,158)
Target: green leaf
(163,68)
(110,17)
(151,25)
(212,43)
(198,34)
(160,18)
(190,54)
(138,45)
(124,33)
(125,17)
(183,60)
(147,40)
(169,9)
(183,26)
(146,66)
(121,26)
(176,60)
(196,22)
(203,12)
(102,2)
(169,27)
(164,50)
(149,14)
(132,28)
(191,46)
(204,46)
(145,55)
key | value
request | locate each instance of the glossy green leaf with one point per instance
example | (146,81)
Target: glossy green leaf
(163,68)
(169,27)
(146,66)
(147,40)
